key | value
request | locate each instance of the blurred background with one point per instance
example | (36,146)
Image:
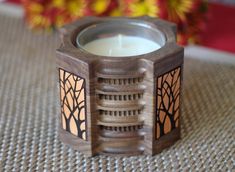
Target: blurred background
(208,23)
(29,95)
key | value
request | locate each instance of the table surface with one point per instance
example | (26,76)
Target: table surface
(29,111)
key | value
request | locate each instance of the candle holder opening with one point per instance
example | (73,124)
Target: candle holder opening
(120,38)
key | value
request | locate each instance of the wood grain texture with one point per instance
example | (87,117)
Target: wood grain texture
(73,103)
(120,92)
(168,98)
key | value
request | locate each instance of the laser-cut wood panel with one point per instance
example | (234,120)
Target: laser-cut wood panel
(168,98)
(73,105)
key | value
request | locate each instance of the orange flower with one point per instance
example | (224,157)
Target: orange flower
(52,13)
(187,14)
(142,7)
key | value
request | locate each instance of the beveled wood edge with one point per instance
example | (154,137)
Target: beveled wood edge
(170,62)
(75,142)
(166,141)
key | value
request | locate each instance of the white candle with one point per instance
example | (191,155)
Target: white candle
(121,46)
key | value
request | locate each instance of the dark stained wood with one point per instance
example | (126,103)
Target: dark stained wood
(75,142)
(120,92)
(166,141)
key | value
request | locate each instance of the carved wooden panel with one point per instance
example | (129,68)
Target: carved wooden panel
(168,99)
(73,104)
(120,113)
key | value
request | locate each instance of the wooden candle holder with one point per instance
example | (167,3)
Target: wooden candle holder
(121,105)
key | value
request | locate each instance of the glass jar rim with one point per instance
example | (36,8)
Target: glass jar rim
(118,26)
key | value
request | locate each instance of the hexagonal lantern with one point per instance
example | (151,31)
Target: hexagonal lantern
(119,105)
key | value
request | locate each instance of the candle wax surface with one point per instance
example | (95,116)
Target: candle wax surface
(121,46)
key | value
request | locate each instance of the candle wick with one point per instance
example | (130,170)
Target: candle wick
(120,40)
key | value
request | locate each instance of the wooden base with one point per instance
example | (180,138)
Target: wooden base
(166,141)
(131,150)
(75,142)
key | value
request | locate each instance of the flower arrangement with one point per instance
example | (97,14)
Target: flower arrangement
(189,15)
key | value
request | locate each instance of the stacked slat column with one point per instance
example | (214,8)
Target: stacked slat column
(119,100)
